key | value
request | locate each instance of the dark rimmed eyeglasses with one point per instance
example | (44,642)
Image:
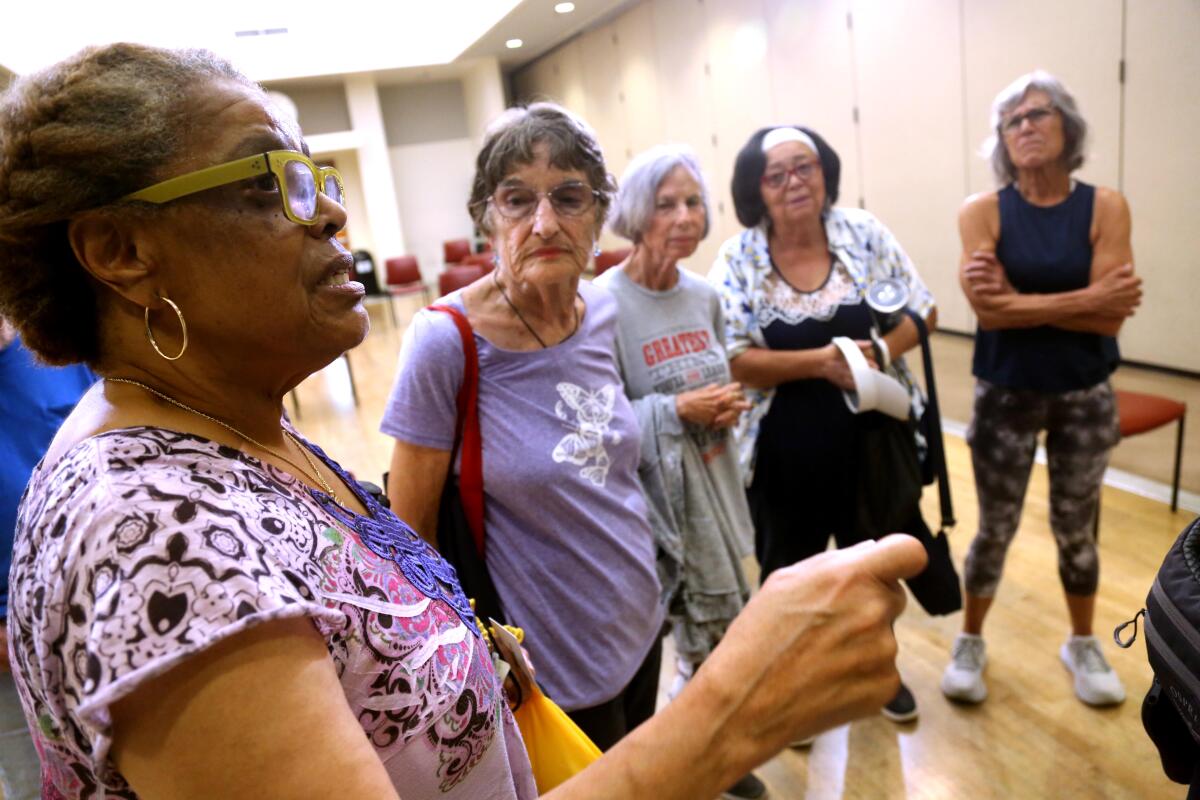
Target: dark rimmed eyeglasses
(567,199)
(1034,115)
(300,182)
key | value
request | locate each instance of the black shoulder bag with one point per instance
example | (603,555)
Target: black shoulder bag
(937,589)
(890,476)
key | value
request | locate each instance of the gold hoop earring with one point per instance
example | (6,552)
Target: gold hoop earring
(182,325)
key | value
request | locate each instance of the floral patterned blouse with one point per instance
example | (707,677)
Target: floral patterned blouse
(141,547)
(752,297)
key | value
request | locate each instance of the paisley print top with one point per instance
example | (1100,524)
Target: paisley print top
(140,547)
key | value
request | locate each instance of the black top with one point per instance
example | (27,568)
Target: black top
(808,443)
(1045,250)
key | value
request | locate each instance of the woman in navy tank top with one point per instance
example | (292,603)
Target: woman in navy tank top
(1047,267)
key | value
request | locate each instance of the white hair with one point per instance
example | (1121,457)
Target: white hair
(1075,128)
(634,205)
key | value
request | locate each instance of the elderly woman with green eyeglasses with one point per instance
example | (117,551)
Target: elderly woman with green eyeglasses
(202,603)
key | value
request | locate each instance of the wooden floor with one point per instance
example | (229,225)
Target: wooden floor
(1031,739)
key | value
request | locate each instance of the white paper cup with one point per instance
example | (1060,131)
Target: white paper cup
(874,390)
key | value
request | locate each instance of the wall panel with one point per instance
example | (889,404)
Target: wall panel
(912,152)
(681,58)
(602,84)
(1162,175)
(807,41)
(571,69)
(1079,41)
(739,73)
(415,113)
(639,80)
(922,75)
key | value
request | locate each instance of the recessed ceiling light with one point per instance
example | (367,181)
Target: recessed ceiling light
(513,44)
(564,8)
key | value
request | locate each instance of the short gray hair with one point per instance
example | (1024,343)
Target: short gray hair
(639,185)
(510,140)
(1075,128)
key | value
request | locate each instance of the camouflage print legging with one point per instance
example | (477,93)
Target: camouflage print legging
(1081,429)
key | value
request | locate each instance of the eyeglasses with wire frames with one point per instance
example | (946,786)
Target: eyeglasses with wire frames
(299,180)
(805,171)
(570,199)
(1036,116)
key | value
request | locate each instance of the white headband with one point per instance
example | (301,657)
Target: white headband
(778,136)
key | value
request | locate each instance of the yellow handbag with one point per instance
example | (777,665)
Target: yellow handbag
(556,746)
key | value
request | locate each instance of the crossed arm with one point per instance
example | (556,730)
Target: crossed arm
(1112,295)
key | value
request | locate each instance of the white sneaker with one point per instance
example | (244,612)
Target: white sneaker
(1095,681)
(963,678)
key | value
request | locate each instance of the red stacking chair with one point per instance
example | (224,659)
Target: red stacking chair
(455,250)
(480,260)
(1139,413)
(458,276)
(404,278)
(609,259)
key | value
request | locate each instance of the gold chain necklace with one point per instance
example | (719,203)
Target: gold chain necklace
(303,450)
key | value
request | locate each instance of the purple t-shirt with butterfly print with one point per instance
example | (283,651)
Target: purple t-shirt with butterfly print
(569,547)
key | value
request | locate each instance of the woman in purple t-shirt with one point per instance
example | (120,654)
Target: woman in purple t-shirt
(569,546)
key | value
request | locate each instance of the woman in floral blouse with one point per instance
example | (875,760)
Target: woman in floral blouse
(791,282)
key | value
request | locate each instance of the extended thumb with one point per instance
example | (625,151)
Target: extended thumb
(893,557)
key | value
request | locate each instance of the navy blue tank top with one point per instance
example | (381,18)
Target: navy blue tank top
(1045,250)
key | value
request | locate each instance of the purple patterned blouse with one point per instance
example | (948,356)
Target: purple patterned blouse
(141,547)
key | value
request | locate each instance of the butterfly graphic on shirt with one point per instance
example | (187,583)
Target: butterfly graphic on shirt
(586,414)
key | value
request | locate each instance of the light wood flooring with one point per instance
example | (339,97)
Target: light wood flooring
(1032,738)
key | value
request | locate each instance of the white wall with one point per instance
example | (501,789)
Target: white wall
(432,155)
(483,96)
(1162,178)
(433,182)
(431,111)
(902,91)
(321,108)
(379,196)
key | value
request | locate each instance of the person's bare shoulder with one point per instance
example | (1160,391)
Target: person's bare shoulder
(979,221)
(1111,209)
(981,204)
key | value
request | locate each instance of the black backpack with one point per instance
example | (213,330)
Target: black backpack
(1171,710)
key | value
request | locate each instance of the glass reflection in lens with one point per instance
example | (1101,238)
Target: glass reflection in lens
(333,190)
(301,189)
(571,199)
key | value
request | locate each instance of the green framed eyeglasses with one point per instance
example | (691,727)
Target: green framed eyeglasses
(300,182)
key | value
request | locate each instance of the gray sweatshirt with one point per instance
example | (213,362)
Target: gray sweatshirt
(670,342)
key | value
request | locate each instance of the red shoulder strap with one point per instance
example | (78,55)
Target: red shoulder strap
(467,438)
